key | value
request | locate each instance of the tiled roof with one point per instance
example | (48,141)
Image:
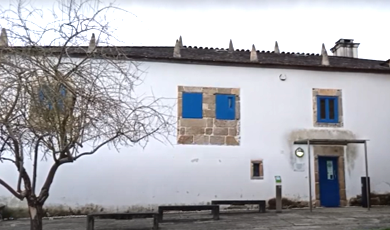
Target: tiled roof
(215,56)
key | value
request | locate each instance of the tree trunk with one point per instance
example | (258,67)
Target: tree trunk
(36,215)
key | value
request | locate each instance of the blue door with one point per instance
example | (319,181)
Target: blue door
(329,181)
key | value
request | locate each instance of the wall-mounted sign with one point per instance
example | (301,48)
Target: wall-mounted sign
(329,167)
(278,179)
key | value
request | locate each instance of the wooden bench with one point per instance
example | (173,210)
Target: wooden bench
(261,203)
(121,216)
(214,209)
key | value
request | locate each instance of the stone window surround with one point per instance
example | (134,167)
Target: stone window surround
(334,151)
(208,130)
(261,169)
(328,92)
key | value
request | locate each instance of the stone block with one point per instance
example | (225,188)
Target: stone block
(343,195)
(184,122)
(238,110)
(327,92)
(179,108)
(210,122)
(317,190)
(343,203)
(208,113)
(201,139)
(182,131)
(194,131)
(185,140)
(180,88)
(211,106)
(217,140)
(218,131)
(224,90)
(232,132)
(209,131)
(209,90)
(235,91)
(231,141)
(209,99)
(225,123)
(192,89)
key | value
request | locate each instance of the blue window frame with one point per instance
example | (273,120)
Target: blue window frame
(192,105)
(46,96)
(225,108)
(327,109)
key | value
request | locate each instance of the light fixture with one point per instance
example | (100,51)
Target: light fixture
(282,77)
(299,152)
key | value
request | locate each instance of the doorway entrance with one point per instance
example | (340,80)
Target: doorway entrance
(329,145)
(328,190)
(329,181)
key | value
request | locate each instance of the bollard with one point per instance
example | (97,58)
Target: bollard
(278,181)
(278,198)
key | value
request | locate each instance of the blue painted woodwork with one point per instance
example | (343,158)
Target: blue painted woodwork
(192,104)
(45,93)
(327,109)
(225,108)
(329,181)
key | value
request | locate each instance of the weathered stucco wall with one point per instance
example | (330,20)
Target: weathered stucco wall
(273,113)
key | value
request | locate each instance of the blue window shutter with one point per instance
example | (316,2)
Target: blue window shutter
(327,109)
(192,105)
(62,96)
(225,108)
(336,110)
(62,90)
(41,96)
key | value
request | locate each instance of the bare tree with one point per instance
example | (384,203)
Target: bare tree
(57,100)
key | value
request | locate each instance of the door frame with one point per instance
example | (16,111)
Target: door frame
(330,151)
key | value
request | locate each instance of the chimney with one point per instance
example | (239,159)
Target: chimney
(345,48)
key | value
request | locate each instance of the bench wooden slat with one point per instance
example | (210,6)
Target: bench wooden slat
(91,217)
(187,207)
(214,209)
(123,215)
(261,203)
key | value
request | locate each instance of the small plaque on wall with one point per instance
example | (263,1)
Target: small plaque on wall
(299,167)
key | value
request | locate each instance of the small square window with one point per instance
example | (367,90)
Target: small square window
(327,109)
(192,105)
(225,107)
(257,171)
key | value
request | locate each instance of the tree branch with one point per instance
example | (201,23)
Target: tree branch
(34,178)
(97,147)
(11,190)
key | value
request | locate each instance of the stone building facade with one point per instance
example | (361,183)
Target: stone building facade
(208,129)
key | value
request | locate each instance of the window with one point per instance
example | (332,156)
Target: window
(327,109)
(192,105)
(225,107)
(257,169)
(47,96)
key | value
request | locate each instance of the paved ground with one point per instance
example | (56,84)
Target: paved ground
(321,218)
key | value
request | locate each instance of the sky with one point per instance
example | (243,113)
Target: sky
(297,25)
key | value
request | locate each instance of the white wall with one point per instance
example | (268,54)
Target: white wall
(271,112)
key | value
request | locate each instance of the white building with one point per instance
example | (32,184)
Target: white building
(239,113)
